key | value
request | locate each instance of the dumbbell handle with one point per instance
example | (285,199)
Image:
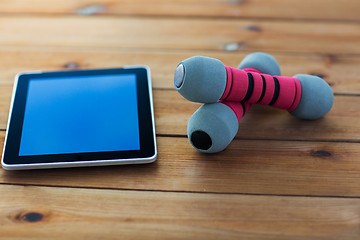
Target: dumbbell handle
(251,86)
(240,108)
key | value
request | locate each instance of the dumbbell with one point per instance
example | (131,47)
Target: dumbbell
(208,80)
(214,125)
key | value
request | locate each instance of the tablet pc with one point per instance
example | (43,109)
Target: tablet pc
(80,118)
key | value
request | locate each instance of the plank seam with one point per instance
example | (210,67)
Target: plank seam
(272,139)
(175,50)
(219,50)
(160,16)
(177,191)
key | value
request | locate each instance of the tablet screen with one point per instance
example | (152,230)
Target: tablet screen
(80,114)
(84,117)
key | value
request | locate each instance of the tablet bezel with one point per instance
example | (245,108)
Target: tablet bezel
(147,153)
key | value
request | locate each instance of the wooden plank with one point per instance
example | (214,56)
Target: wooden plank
(189,34)
(44,213)
(172,113)
(290,9)
(341,72)
(247,166)
(5,99)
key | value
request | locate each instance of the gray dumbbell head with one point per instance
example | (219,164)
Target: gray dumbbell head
(263,62)
(200,79)
(212,127)
(316,100)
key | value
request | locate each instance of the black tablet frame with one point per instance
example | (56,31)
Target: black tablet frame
(145,116)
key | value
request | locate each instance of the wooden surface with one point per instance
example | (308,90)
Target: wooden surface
(281,178)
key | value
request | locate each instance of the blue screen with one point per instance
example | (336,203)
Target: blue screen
(80,114)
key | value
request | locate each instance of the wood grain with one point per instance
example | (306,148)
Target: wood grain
(184,34)
(246,166)
(341,72)
(289,9)
(44,213)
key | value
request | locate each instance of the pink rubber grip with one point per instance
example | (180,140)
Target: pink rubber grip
(240,108)
(249,85)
